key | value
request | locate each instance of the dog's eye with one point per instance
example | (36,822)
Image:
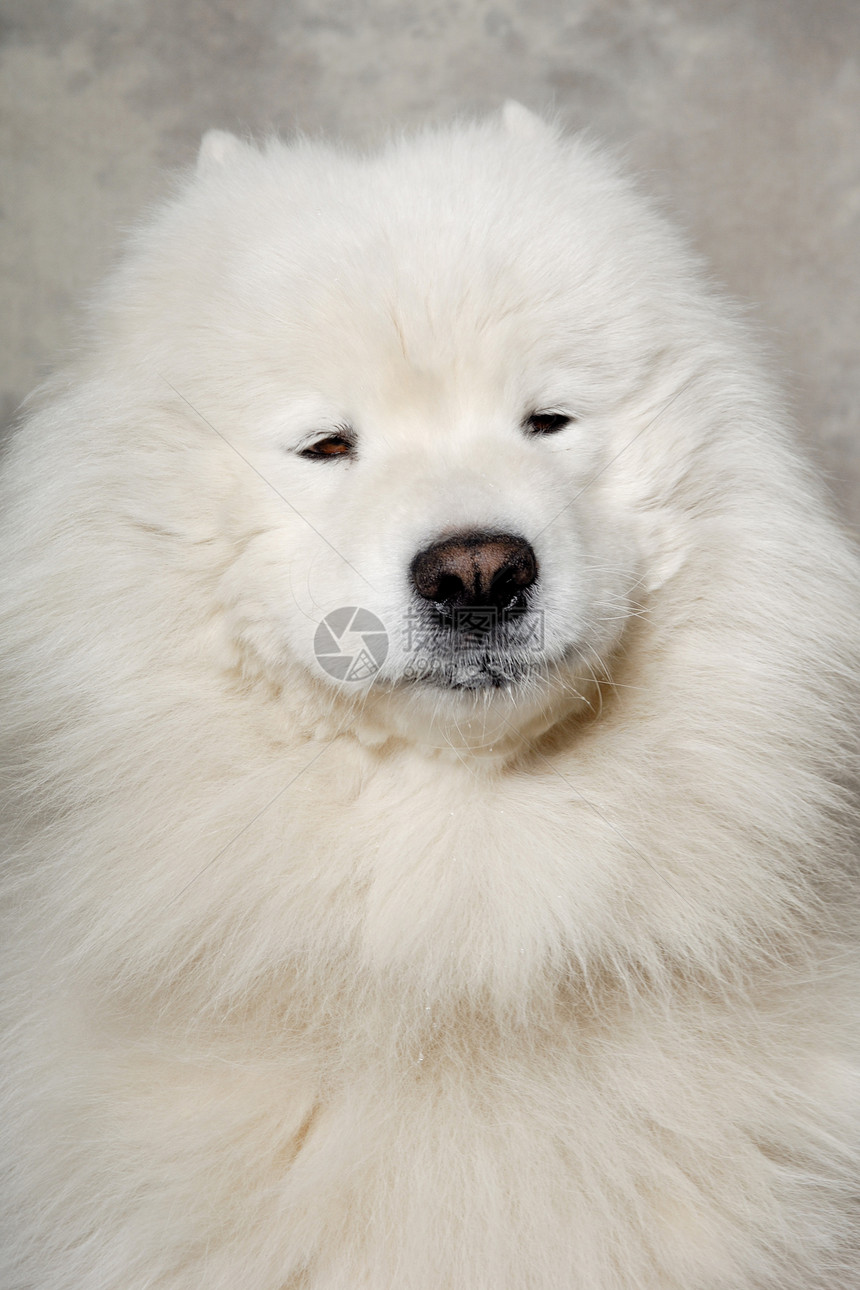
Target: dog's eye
(333,445)
(547,422)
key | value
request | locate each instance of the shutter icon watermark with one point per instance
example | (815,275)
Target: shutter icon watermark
(351,644)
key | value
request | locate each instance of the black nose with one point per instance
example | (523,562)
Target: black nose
(475,569)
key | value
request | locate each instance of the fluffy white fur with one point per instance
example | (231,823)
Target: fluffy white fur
(383,985)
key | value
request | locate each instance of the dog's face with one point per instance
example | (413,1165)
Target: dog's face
(443,534)
(420,371)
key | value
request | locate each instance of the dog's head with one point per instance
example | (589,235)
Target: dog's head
(427,374)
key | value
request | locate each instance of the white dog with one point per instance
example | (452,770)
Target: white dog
(430,687)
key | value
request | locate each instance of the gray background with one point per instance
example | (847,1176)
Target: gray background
(742,115)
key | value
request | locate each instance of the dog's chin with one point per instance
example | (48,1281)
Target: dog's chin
(486,704)
(481,674)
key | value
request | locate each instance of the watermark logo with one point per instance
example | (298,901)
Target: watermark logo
(351,644)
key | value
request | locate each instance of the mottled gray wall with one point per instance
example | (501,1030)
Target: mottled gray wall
(744,116)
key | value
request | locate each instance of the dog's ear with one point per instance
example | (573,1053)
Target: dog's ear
(524,124)
(217,147)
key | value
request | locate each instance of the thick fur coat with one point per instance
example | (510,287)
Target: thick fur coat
(538,980)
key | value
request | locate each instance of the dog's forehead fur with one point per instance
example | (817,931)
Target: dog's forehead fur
(480,250)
